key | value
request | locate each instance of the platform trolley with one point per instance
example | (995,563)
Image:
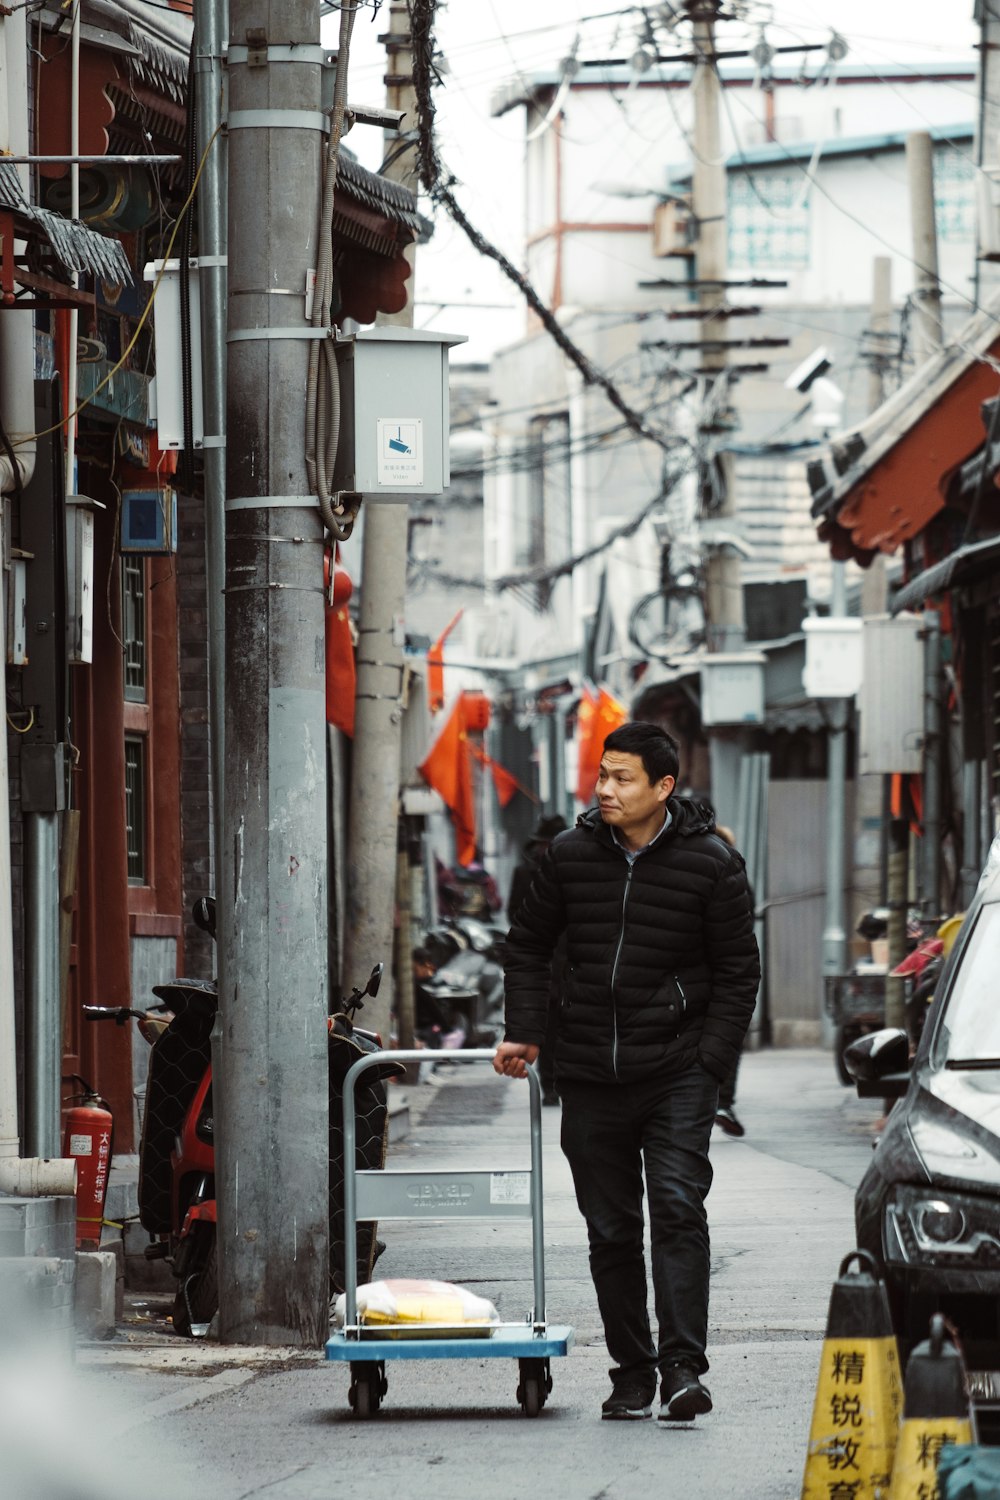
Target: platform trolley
(444,1194)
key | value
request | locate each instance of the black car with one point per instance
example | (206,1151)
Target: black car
(928,1208)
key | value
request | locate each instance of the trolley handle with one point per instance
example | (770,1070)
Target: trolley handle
(418,1055)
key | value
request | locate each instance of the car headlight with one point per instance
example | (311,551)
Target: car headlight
(926,1225)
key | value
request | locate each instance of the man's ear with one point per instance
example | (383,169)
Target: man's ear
(667,785)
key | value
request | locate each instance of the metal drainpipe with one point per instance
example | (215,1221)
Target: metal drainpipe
(22,1177)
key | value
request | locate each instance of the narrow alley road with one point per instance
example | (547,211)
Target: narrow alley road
(233,1424)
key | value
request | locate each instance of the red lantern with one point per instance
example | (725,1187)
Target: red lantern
(476,711)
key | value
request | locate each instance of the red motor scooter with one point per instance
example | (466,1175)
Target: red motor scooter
(177,1204)
(177,1148)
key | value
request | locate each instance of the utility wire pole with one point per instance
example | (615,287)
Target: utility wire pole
(724,593)
(373,875)
(988,153)
(927,327)
(271,1094)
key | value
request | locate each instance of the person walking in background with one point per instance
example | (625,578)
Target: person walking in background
(662,975)
(726,1117)
(520,885)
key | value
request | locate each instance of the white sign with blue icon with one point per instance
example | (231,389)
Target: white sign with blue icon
(401,452)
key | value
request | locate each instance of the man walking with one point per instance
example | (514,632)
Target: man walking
(662,974)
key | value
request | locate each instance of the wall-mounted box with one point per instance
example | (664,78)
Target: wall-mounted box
(168,392)
(80,578)
(17,609)
(149,522)
(394,421)
(833,657)
(732,688)
(892,695)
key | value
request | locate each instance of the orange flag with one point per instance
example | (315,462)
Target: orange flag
(448,769)
(435,667)
(598,714)
(341,672)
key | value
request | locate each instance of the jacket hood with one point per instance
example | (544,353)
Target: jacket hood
(688,816)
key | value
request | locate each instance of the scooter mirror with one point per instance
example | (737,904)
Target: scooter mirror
(374,980)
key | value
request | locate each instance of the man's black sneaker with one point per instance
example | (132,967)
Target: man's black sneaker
(629,1403)
(682,1395)
(726,1119)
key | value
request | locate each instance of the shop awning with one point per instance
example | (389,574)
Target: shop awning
(878,485)
(965,565)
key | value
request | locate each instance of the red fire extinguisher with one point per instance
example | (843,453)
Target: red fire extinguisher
(87,1138)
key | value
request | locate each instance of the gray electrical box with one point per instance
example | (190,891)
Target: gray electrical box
(394,422)
(892,694)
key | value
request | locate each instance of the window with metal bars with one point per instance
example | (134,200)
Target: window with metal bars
(134,627)
(135,809)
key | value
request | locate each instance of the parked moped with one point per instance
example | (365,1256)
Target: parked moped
(177,1202)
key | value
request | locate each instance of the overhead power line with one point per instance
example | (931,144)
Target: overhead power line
(438,184)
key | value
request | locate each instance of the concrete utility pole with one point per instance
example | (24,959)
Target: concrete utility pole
(987,153)
(373,877)
(724,592)
(271,1094)
(210,32)
(927,332)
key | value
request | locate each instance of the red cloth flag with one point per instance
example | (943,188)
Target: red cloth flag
(597,716)
(435,667)
(448,769)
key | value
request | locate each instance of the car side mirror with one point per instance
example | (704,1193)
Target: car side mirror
(879,1057)
(374,980)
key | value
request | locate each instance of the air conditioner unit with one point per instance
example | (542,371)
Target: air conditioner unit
(149,521)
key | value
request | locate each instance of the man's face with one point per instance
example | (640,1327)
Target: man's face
(625,795)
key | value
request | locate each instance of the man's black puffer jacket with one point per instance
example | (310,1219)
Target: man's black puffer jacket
(662,960)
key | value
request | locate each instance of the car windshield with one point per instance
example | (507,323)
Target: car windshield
(970,1026)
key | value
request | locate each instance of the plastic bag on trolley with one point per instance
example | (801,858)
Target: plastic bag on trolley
(420,1309)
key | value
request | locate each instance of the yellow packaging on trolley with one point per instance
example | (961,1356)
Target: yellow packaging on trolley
(401,1308)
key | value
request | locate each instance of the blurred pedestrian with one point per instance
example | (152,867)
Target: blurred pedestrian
(726,1117)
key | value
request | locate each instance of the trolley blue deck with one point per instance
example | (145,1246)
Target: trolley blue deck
(503,1343)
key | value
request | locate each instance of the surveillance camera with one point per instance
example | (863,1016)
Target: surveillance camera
(811,368)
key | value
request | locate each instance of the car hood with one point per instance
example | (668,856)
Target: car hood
(954,1125)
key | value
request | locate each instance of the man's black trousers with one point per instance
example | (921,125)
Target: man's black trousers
(610,1132)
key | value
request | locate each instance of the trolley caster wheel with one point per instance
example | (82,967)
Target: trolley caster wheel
(534,1386)
(368,1386)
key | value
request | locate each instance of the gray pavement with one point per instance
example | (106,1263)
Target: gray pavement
(185,1420)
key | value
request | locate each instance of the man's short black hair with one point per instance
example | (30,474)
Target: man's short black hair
(658,750)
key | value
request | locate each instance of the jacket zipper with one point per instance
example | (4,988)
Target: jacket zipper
(614,972)
(680,991)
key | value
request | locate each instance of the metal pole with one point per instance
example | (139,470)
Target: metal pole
(210,31)
(74,210)
(17,417)
(927,332)
(834,931)
(933,764)
(375,773)
(271,1098)
(42,1000)
(899,859)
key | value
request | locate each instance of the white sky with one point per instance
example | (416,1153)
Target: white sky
(486,42)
